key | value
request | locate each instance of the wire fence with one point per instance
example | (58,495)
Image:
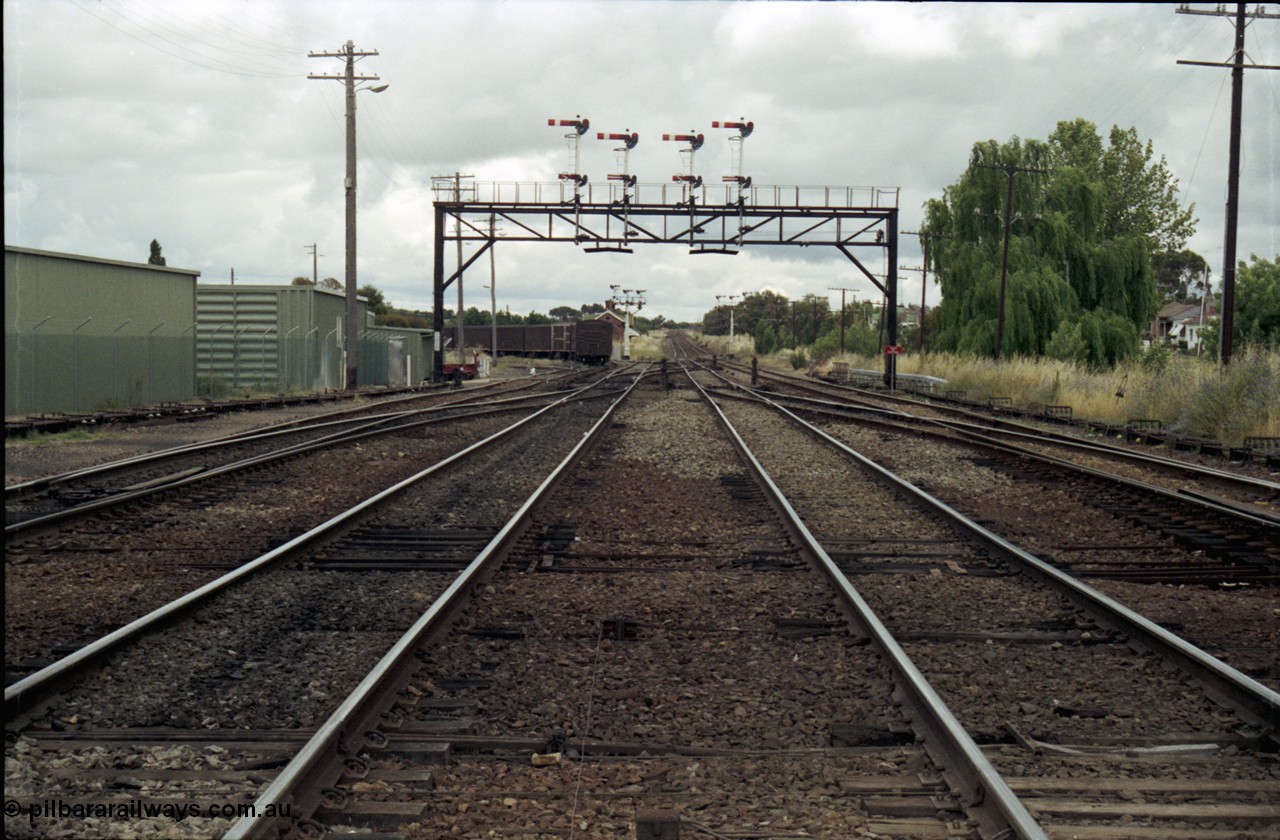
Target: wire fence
(63,368)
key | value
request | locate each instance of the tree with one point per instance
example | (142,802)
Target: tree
(966,257)
(374,299)
(1257,315)
(302,281)
(1083,236)
(331,283)
(565,313)
(1256,319)
(1180,276)
(766,338)
(473,317)
(156,257)
(403,319)
(1096,338)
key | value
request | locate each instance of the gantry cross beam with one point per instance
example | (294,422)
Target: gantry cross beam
(621,223)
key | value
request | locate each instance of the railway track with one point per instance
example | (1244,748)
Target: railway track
(1234,540)
(1007,652)
(1131,541)
(1223,524)
(51,501)
(652,648)
(1143,459)
(262,653)
(158,546)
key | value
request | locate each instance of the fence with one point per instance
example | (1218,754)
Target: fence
(256,358)
(711,196)
(70,371)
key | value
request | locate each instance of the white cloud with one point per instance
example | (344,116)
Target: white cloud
(194,123)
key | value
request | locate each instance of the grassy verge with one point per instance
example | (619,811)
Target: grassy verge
(1190,395)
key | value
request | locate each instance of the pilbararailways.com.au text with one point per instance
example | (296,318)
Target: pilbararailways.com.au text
(46,810)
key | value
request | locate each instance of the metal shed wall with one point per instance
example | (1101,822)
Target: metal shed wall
(280,338)
(84,334)
(404,355)
(270,338)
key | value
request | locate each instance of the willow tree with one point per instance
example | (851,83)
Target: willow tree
(1085,221)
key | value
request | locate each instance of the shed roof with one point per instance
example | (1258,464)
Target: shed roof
(99,260)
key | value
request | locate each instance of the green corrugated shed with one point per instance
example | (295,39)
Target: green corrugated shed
(407,353)
(269,338)
(281,338)
(85,334)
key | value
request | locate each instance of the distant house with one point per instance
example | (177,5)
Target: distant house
(1182,324)
(618,320)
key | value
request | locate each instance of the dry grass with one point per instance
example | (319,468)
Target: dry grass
(743,345)
(1190,395)
(648,347)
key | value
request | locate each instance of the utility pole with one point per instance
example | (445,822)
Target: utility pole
(1237,66)
(493,287)
(841,290)
(1009,170)
(315,264)
(732,307)
(924,272)
(351,329)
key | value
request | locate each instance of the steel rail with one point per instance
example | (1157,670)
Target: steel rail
(981,435)
(293,427)
(25,693)
(986,795)
(1256,703)
(374,429)
(353,717)
(1017,429)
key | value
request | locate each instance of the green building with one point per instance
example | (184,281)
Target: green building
(86,334)
(281,338)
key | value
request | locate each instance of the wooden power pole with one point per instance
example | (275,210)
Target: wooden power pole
(351,330)
(1237,66)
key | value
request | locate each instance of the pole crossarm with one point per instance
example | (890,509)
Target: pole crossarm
(338,78)
(1229,65)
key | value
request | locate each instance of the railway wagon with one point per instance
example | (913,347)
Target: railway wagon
(593,342)
(588,341)
(510,339)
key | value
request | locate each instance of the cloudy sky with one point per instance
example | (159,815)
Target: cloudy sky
(194,123)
